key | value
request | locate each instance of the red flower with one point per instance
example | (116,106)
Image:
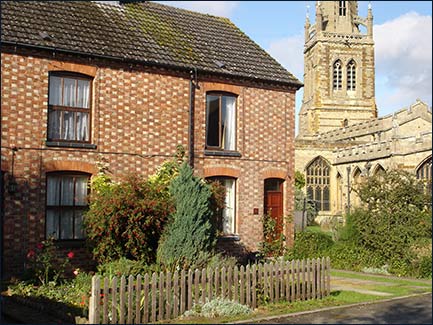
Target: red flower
(40,245)
(71,255)
(31,253)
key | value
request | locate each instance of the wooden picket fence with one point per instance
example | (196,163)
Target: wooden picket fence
(155,297)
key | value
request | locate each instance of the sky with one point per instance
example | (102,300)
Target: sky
(402,34)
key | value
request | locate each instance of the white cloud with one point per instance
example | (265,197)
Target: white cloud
(404,60)
(217,8)
(288,52)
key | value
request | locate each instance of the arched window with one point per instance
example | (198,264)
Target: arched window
(357,179)
(345,123)
(339,192)
(342,8)
(379,171)
(226,217)
(351,75)
(424,173)
(337,75)
(318,183)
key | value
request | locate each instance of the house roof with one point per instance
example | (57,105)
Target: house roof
(147,32)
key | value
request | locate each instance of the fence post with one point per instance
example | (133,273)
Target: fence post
(328,280)
(95,300)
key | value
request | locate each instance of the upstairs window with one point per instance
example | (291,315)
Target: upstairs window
(337,75)
(351,76)
(424,173)
(221,122)
(342,8)
(69,108)
(66,204)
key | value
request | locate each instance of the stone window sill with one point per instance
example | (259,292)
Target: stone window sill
(70,145)
(222,153)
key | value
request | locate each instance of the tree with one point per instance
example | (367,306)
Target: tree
(191,231)
(394,216)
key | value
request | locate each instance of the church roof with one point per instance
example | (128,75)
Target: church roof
(144,32)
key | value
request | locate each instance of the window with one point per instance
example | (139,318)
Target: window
(318,183)
(351,75)
(337,75)
(221,122)
(424,173)
(345,123)
(69,108)
(66,204)
(342,8)
(226,218)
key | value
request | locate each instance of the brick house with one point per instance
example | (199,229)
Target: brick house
(126,83)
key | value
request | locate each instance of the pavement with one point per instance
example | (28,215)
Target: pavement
(16,312)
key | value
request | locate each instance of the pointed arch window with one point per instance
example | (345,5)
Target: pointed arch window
(318,183)
(351,75)
(424,173)
(342,8)
(337,75)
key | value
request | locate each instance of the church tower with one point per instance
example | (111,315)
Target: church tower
(338,69)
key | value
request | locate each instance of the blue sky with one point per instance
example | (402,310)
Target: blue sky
(402,35)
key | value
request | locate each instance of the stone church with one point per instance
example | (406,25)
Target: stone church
(341,139)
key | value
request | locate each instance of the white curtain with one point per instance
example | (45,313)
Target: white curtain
(229,123)
(69,95)
(82,126)
(53,190)
(68,126)
(83,93)
(81,191)
(229,209)
(55,90)
(54,125)
(67,191)
(67,220)
(52,224)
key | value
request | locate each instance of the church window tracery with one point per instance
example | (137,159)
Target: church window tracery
(318,183)
(337,75)
(351,75)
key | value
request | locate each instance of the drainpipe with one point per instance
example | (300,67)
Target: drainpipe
(193,85)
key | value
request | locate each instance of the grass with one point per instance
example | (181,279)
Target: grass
(394,286)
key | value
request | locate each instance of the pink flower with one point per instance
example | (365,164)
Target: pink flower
(76,271)
(40,245)
(71,255)
(31,253)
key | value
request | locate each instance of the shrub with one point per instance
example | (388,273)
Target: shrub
(126,219)
(309,244)
(218,307)
(191,231)
(45,264)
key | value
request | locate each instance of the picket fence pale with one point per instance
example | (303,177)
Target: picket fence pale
(155,297)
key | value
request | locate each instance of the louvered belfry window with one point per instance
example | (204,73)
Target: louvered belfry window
(351,75)
(337,75)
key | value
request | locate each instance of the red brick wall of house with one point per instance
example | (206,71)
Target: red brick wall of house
(139,117)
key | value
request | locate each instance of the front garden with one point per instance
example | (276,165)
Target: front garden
(165,224)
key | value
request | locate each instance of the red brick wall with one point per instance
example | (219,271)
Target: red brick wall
(139,116)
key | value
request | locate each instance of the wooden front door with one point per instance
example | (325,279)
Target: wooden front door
(274,201)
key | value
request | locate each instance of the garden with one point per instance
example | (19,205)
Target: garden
(165,223)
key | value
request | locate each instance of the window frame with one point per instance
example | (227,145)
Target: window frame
(61,207)
(61,108)
(220,94)
(342,8)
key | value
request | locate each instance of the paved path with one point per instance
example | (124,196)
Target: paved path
(412,310)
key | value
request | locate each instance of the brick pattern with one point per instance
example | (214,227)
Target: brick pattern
(139,117)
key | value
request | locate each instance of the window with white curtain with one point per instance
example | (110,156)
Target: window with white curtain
(226,218)
(69,108)
(221,121)
(66,204)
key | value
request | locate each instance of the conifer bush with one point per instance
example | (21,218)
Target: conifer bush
(190,231)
